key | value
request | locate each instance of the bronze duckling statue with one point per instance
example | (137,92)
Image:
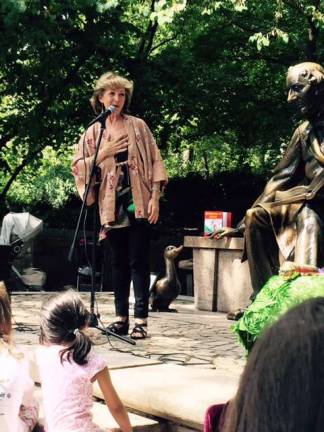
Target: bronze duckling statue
(166,289)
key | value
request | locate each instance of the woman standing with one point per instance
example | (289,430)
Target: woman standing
(132,176)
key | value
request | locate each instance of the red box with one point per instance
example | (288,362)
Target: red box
(215,220)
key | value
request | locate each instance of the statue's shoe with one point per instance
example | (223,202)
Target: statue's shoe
(235,315)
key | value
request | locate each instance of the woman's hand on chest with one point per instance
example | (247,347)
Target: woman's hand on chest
(114,146)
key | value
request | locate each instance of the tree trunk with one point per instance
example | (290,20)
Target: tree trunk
(205,158)
(313,34)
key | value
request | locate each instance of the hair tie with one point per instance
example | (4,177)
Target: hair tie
(75,331)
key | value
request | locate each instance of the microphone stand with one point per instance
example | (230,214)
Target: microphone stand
(93,322)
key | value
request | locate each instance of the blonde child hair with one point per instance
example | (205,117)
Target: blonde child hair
(6,345)
(20,412)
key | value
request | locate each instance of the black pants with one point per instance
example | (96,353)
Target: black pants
(130,260)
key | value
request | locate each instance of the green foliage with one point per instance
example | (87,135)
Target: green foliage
(208,156)
(52,184)
(165,11)
(263,40)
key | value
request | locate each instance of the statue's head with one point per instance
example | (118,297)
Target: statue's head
(305,83)
(171,252)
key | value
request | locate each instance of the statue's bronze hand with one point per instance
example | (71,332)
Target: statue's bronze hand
(224,232)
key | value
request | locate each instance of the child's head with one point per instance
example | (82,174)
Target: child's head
(6,345)
(282,384)
(5,314)
(63,319)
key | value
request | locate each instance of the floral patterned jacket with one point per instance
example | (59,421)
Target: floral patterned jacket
(145,168)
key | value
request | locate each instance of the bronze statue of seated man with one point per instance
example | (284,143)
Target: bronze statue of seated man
(288,217)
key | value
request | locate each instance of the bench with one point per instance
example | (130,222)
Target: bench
(175,393)
(185,268)
(221,281)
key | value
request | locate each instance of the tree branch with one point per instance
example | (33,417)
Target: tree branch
(18,170)
(206,163)
(163,43)
(313,33)
(151,36)
(148,37)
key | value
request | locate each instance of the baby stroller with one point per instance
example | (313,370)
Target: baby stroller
(16,243)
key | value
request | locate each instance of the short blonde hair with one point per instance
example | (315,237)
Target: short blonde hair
(6,345)
(110,80)
(5,313)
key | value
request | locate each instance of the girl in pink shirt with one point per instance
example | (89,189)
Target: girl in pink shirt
(68,369)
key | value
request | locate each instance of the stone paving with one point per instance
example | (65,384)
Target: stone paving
(196,338)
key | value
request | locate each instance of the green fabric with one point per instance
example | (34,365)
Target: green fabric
(276,297)
(131,208)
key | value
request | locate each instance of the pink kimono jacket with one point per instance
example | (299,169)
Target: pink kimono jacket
(145,168)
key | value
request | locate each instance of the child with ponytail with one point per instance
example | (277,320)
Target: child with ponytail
(68,368)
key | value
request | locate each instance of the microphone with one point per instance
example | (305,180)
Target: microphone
(102,116)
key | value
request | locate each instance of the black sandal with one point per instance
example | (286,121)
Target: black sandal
(119,327)
(139,332)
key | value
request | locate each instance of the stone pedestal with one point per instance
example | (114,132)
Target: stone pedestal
(221,281)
